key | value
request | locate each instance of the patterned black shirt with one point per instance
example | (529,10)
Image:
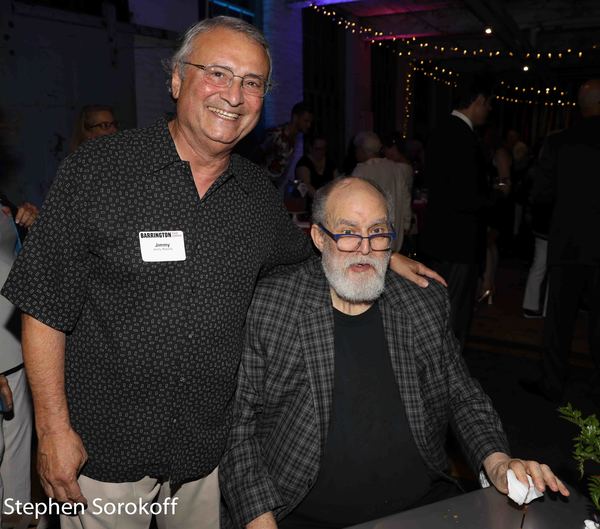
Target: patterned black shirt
(152,347)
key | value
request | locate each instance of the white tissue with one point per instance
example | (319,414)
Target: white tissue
(590,524)
(518,492)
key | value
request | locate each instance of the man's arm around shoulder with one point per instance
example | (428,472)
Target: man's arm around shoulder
(61,453)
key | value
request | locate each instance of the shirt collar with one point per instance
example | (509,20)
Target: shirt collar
(160,147)
(375,160)
(460,115)
(238,167)
(237,170)
(160,136)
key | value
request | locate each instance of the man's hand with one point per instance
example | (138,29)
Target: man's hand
(26,215)
(264,521)
(498,463)
(413,270)
(5,394)
(61,455)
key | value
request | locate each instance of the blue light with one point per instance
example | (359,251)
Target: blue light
(233,7)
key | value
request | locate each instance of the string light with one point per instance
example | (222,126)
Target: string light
(523,101)
(552,95)
(436,78)
(424,66)
(408,98)
(536,89)
(394,40)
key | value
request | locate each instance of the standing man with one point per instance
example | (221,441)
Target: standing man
(392,177)
(135,282)
(453,238)
(279,146)
(570,164)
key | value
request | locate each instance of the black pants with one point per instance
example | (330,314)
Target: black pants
(568,284)
(462,283)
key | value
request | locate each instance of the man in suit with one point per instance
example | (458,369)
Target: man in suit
(349,379)
(571,170)
(453,237)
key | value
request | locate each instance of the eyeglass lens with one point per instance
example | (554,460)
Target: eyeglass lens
(351,243)
(222,77)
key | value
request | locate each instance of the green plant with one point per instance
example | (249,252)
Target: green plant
(587,445)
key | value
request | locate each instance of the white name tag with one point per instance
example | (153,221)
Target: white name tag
(162,246)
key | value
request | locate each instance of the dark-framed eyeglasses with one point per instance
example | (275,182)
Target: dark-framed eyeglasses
(222,77)
(104,125)
(350,242)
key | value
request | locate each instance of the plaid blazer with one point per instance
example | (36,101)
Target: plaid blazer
(285,387)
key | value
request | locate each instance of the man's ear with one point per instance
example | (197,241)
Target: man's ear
(480,100)
(317,236)
(175,83)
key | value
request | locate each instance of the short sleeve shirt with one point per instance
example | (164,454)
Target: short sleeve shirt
(152,348)
(278,150)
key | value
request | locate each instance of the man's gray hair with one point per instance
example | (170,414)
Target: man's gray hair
(369,142)
(319,205)
(235,24)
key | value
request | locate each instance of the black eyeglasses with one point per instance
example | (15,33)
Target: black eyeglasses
(350,242)
(104,125)
(222,77)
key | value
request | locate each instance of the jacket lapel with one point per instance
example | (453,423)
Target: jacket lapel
(399,334)
(315,329)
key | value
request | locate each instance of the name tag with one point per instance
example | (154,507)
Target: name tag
(162,246)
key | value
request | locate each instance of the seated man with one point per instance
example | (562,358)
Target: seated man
(349,378)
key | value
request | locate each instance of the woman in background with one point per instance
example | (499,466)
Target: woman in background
(93,121)
(315,169)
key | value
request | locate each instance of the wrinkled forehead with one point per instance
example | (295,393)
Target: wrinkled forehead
(234,49)
(357,202)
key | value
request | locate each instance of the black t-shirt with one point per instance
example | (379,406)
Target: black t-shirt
(371,466)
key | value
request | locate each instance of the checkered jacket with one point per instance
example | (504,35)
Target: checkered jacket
(284,396)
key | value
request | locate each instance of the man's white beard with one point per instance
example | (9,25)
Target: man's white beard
(355,288)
